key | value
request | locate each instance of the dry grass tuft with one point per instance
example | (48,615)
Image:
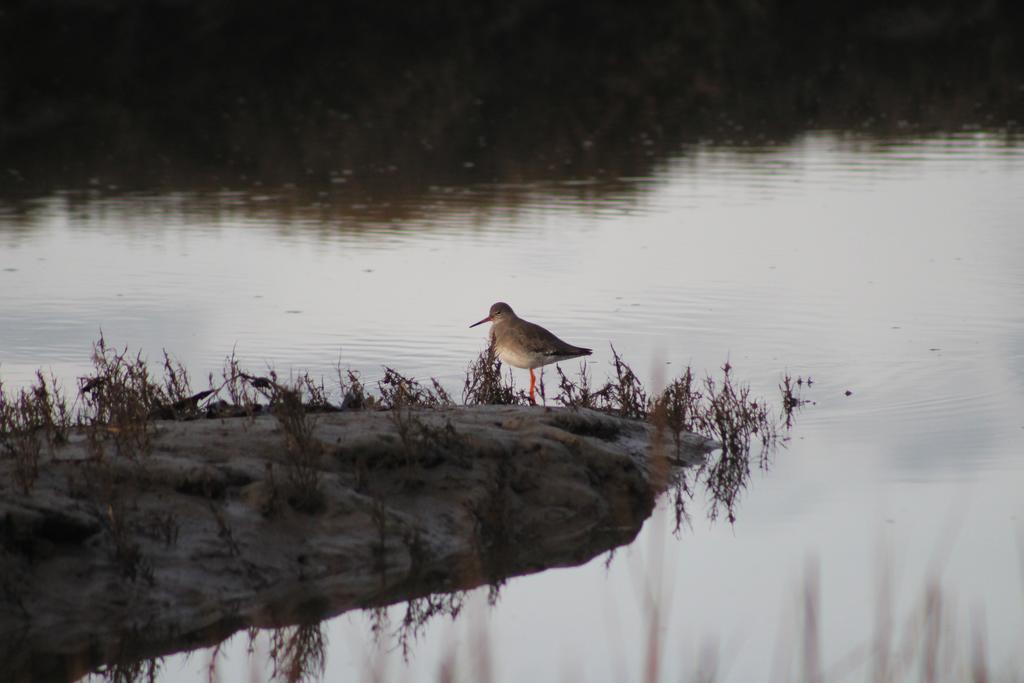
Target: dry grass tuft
(118,401)
(484,386)
(625,394)
(243,389)
(353,392)
(174,399)
(398,391)
(303,450)
(29,419)
(578,393)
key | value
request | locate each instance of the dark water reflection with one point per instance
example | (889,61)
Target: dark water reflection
(391,100)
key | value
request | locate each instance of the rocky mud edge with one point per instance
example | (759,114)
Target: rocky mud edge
(219,526)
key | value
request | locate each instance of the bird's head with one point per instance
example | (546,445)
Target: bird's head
(499,311)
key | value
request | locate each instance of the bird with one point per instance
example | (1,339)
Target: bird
(526,345)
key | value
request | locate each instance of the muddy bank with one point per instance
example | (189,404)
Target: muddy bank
(223,525)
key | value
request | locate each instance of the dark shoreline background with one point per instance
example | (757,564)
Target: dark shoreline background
(184,94)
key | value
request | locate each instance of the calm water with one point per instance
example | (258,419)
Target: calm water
(889,268)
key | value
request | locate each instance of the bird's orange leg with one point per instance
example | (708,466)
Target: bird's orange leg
(533,381)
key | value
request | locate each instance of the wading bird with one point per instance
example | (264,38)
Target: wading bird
(525,345)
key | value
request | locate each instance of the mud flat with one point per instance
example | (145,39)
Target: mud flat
(222,524)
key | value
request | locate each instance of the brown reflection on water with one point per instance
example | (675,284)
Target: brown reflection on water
(326,211)
(393,203)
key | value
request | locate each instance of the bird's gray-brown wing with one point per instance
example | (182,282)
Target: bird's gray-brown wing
(538,340)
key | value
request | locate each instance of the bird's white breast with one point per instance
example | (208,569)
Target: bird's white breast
(515,357)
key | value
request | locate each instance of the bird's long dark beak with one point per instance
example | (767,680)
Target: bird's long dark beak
(485,320)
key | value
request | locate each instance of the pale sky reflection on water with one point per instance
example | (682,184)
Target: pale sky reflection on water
(889,268)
